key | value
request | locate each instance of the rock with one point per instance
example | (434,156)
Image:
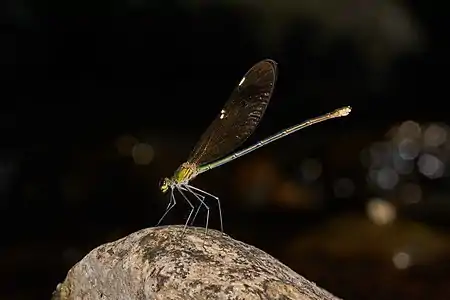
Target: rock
(163,264)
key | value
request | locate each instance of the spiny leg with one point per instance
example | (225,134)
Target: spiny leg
(202,202)
(172,203)
(211,195)
(180,189)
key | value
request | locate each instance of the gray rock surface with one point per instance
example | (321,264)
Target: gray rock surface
(161,264)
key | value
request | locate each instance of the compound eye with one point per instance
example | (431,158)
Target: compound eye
(162,182)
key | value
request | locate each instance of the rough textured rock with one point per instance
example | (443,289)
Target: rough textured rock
(160,263)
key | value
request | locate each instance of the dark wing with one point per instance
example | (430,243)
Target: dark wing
(240,115)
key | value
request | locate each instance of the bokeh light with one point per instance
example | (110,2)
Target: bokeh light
(430,166)
(401,260)
(142,153)
(311,169)
(381,212)
(125,144)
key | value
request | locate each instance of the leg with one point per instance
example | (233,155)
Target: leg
(202,202)
(180,189)
(199,197)
(215,197)
(172,203)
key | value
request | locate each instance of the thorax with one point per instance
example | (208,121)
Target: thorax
(185,173)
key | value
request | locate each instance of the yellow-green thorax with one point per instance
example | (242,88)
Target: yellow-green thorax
(184,173)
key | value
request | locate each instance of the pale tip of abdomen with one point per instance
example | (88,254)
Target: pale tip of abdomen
(343,111)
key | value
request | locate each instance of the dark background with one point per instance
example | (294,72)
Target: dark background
(100,99)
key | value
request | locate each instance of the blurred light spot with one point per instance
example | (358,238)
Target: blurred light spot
(430,166)
(364,157)
(434,136)
(380,154)
(408,149)
(401,165)
(386,178)
(392,132)
(343,188)
(401,260)
(289,194)
(447,145)
(398,27)
(142,154)
(255,181)
(410,129)
(256,194)
(410,193)
(373,176)
(125,144)
(381,212)
(311,169)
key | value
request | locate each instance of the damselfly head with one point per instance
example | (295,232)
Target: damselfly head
(164,184)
